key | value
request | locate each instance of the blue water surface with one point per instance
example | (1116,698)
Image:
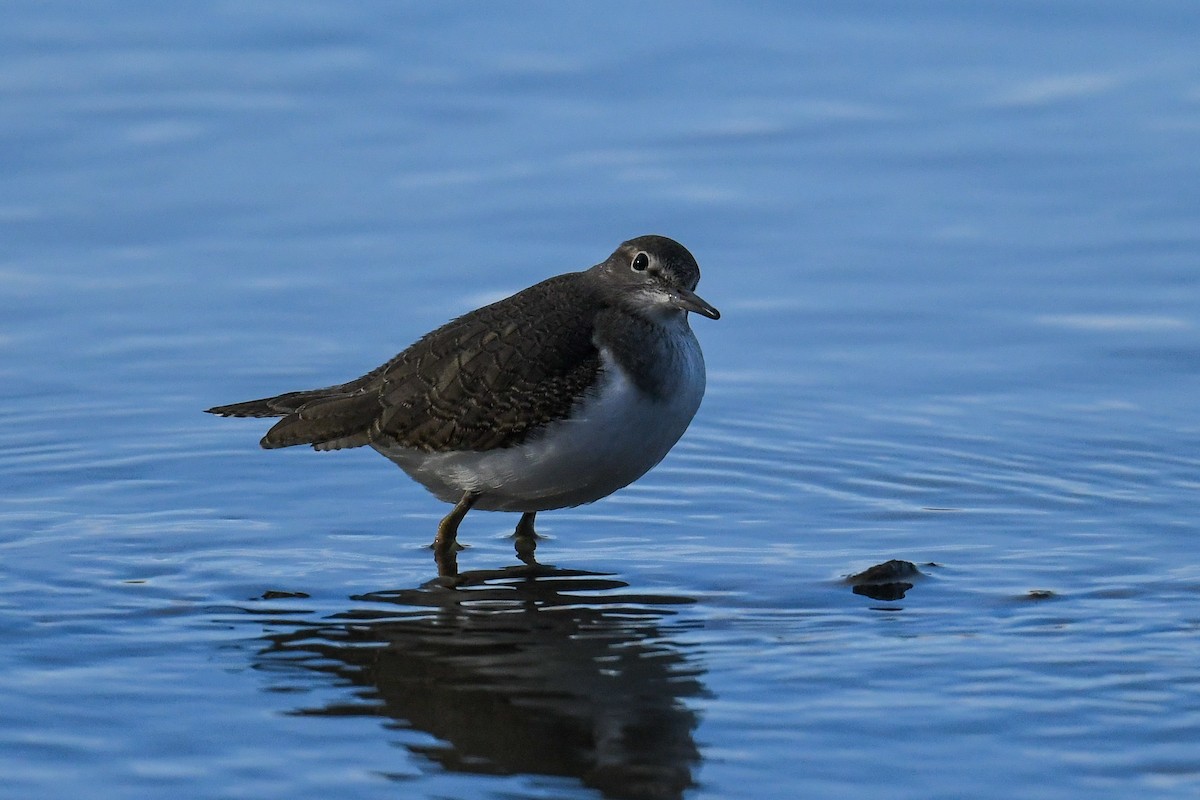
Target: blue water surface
(956,250)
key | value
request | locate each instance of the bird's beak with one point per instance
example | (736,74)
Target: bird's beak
(690,301)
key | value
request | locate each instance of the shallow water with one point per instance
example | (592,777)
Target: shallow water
(956,254)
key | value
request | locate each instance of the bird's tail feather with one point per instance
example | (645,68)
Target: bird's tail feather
(278,406)
(327,419)
(328,423)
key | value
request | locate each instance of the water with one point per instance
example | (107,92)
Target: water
(956,253)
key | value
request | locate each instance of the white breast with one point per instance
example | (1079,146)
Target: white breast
(615,436)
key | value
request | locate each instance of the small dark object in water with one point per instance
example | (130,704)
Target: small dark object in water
(887,572)
(886,581)
(273,594)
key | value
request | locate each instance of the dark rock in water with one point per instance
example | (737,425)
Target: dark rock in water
(886,581)
(273,594)
(887,572)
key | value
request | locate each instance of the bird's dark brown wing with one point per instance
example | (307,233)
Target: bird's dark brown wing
(484,380)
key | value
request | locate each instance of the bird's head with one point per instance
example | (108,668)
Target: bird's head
(656,277)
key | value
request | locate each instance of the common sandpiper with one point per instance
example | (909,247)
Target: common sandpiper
(554,397)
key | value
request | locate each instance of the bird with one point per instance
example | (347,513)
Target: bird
(554,397)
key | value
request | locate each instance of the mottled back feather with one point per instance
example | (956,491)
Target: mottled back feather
(487,379)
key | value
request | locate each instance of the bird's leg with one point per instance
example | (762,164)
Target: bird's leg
(447,563)
(525,526)
(525,538)
(447,532)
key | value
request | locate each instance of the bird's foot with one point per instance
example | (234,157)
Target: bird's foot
(525,538)
(446,540)
(438,546)
(525,547)
(447,563)
(525,527)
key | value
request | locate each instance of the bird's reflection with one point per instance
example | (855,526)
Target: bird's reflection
(523,670)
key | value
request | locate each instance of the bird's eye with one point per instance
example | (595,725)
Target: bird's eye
(640,262)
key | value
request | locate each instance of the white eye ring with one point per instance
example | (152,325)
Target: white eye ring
(640,262)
